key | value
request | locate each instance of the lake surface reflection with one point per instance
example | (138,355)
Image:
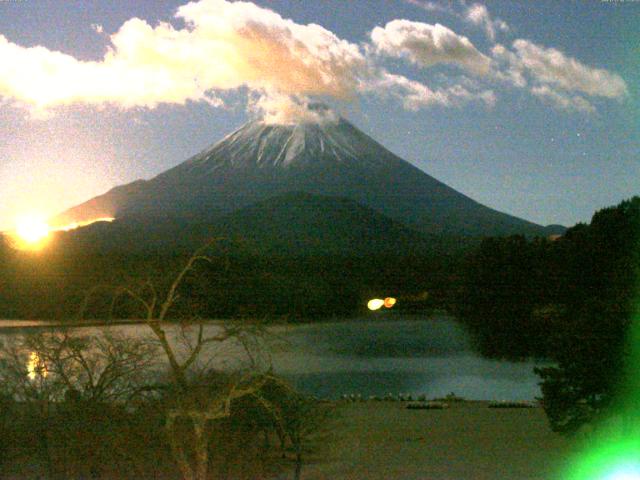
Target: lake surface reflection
(398,355)
(387,354)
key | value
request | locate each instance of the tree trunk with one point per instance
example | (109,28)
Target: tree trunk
(178,451)
(201,448)
(298,447)
(298,471)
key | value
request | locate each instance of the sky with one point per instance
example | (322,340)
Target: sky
(531,108)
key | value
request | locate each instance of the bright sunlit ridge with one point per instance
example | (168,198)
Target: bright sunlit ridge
(32,231)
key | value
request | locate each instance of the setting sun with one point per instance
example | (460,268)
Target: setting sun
(32,232)
(31,229)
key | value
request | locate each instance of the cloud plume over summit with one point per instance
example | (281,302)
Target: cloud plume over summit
(224,46)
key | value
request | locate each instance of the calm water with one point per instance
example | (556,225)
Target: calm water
(396,355)
(376,356)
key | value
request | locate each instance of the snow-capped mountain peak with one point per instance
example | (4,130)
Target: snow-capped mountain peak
(265,145)
(330,158)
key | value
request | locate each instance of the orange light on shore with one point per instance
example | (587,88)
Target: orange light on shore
(378,303)
(375,304)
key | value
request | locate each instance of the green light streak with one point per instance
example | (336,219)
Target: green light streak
(612,458)
(612,451)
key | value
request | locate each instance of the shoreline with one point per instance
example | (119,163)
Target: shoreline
(15,324)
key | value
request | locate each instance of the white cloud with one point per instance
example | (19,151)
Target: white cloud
(551,66)
(562,100)
(425,45)
(554,77)
(96,27)
(415,95)
(508,67)
(223,46)
(477,14)
(430,6)
(276,108)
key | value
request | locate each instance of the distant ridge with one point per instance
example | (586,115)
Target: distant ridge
(294,223)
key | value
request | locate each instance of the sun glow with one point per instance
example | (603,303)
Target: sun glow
(31,230)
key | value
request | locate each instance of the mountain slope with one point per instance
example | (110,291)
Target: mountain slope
(331,158)
(291,224)
(312,224)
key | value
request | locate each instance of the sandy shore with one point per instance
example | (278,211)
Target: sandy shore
(469,441)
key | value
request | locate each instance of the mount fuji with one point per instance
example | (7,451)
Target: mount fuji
(330,158)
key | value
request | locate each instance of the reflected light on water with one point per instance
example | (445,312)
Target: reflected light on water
(35,367)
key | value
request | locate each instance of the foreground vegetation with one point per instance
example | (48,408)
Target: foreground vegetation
(77,407)
(572,300)
(115,407)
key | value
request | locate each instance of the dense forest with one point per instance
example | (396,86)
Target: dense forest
(57,283)
(571,300)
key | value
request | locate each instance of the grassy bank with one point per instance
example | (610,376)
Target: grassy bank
(468,441)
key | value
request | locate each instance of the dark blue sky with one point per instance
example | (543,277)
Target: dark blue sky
(552,149)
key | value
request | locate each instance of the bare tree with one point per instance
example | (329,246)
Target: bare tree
(196,406)
(101,368)
(69,381)
(61,382)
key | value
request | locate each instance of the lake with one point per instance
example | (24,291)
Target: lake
(376,355)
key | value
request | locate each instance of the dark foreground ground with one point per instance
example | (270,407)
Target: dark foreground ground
(468,441)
